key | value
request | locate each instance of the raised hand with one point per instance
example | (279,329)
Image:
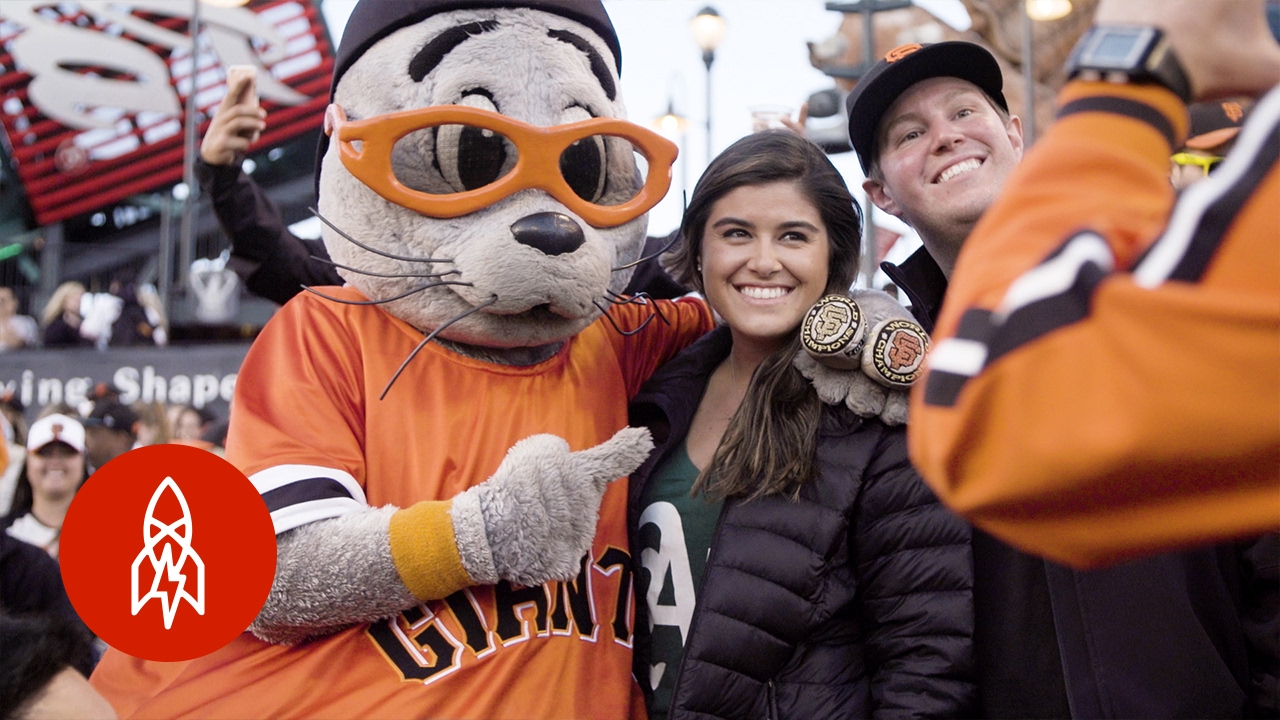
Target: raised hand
(237,123)
(1224,46)
(534,519)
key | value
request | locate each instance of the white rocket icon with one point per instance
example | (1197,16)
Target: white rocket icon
(165,566)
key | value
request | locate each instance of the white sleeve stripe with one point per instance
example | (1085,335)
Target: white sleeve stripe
(280,475)
(1056,275)
(958,356)
(1168,251)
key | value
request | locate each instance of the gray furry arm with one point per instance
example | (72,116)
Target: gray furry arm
(331,574)
(530,522)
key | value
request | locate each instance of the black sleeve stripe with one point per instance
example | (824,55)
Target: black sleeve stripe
(950,369)
(942,388)
(305,490)
(1205,211)
(1037,319)
(1123,106)
(975,324)
(1219,216)
(1056,293)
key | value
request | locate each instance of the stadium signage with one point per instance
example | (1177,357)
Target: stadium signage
(203,376)
(93,93)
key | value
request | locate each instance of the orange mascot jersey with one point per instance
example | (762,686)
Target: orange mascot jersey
(307,426)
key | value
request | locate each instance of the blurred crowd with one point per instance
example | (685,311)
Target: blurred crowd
(124,315)
(49,459)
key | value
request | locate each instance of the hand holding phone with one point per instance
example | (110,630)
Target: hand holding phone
(238,122)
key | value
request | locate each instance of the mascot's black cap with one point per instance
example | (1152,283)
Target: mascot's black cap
(905,66)
(373,20)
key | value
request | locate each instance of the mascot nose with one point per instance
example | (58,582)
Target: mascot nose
(551,232)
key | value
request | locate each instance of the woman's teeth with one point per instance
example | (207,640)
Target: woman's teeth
(763,293)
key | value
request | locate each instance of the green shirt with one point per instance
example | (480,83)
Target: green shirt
(676,530)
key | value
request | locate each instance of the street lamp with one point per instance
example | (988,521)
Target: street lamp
(674,126)
(190,123)
(708,30)
(1048,9)
(670,123)
(1033,10)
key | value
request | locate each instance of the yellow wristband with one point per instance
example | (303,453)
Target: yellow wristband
(425,551)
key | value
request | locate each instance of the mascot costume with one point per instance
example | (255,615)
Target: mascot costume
(436,439)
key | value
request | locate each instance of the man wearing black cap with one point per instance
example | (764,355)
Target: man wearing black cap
(936,141)
(1154,638)
(110,431)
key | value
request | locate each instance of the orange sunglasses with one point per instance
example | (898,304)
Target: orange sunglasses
(365,148)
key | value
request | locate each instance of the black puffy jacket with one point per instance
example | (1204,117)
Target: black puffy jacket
(853,602)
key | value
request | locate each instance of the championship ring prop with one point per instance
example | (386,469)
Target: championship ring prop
(834,332)
(894,352)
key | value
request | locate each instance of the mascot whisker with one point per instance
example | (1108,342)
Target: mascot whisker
(348,268)
(368,248)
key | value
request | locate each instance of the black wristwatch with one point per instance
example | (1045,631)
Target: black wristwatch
(1133,53)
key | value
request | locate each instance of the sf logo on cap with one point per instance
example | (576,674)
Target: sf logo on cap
(901,51)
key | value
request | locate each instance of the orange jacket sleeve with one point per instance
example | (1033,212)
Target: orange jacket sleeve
(1105,379)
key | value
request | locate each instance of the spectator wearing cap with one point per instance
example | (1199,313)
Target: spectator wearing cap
(104,392)
(55,470)
(112,430)
(1169,636)
(1214,127)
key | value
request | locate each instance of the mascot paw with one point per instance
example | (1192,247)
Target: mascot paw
(534,519)
(871,350)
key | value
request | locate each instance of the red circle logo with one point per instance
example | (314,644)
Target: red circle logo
(168,552)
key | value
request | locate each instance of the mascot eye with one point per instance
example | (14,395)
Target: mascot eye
(583,164)
(472,157)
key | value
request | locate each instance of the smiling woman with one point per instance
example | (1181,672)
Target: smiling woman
(770,229)
(765,261)
(769,525)
(55,470)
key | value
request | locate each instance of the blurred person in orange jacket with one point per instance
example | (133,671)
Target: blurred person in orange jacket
(1104,382)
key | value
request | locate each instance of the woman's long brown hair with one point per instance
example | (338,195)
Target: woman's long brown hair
(769,445)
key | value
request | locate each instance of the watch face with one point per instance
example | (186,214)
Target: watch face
(1118,48)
